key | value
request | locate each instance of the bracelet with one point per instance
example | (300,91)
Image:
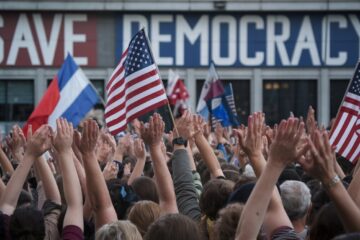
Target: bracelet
(333,182)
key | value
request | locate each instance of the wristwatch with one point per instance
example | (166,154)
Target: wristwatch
(179,141)
(333,182)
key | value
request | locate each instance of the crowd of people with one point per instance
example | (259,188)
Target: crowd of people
(193,183)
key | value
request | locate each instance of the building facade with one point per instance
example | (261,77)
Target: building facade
(281,56)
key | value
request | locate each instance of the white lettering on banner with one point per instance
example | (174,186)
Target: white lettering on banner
(356,24)
(326,28)
(2,47)
(157,38)
(71,37)
(306,41)
(48,48)
(128,20)
(23,38)
(230,59)
(244,55)
(274,41)
(192,34)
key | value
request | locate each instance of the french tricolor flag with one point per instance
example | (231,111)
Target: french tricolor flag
(70,95)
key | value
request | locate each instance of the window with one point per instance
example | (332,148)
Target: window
(241,90)
(337,92)
(99,86)
(281,97)
(16,100)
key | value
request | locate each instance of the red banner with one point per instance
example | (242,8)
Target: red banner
(44,39)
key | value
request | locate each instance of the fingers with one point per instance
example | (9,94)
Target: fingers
(29,132)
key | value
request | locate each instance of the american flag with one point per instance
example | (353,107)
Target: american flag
(346,130)
(135,86)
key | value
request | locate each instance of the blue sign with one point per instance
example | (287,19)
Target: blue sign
(246,40)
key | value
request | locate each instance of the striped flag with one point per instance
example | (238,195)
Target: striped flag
(230,101)
(346,130)
(135,87)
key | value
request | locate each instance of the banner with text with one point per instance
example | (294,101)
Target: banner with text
(45,39)
(247,40)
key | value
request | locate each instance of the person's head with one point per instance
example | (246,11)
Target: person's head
(327,224)
(215,196)
(296,199)
(348,236)
(173,227)
(119,230)
(143,214)
(226,224)
(242,193)
(27,223)
(145,188)
(122,197)
(231,172)
(24,199)
(289,173)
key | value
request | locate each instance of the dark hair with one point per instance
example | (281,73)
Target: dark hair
(122,196)
(226,224)
(27,223)
(348,236)
(318,200)
(24,200)
(145,188)
(173,227)
(215,196)
(231,172)
(326,224)
(243,179)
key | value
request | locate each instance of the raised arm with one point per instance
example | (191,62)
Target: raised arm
(5,162)
(283,150)
(140,154)
(206,150)
(36,146)
(186,196)
(253,143)
(354,185)
(72,189)
(48,181)
(152,134)
(16,143)
(98,193)
(321,164)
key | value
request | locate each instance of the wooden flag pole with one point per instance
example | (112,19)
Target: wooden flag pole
(157,69)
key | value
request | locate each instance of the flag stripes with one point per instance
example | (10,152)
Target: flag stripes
(345,132)
(135,86)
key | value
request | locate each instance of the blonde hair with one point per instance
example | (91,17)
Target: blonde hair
(119,230)
(143,214)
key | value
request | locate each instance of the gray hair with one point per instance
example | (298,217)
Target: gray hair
(296,198)
(119,230)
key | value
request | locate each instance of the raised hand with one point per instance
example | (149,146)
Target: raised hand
(286,145)
(16,142)
(152,132)
(39,142)
(89,137)
(320,160)
(139,149)
(110,171)
(185,126)
(199,124)
(64,135)
(311,124)
(252,143)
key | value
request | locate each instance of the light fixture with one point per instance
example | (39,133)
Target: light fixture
(220,5)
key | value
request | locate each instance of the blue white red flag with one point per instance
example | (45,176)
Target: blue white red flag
(70,95)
